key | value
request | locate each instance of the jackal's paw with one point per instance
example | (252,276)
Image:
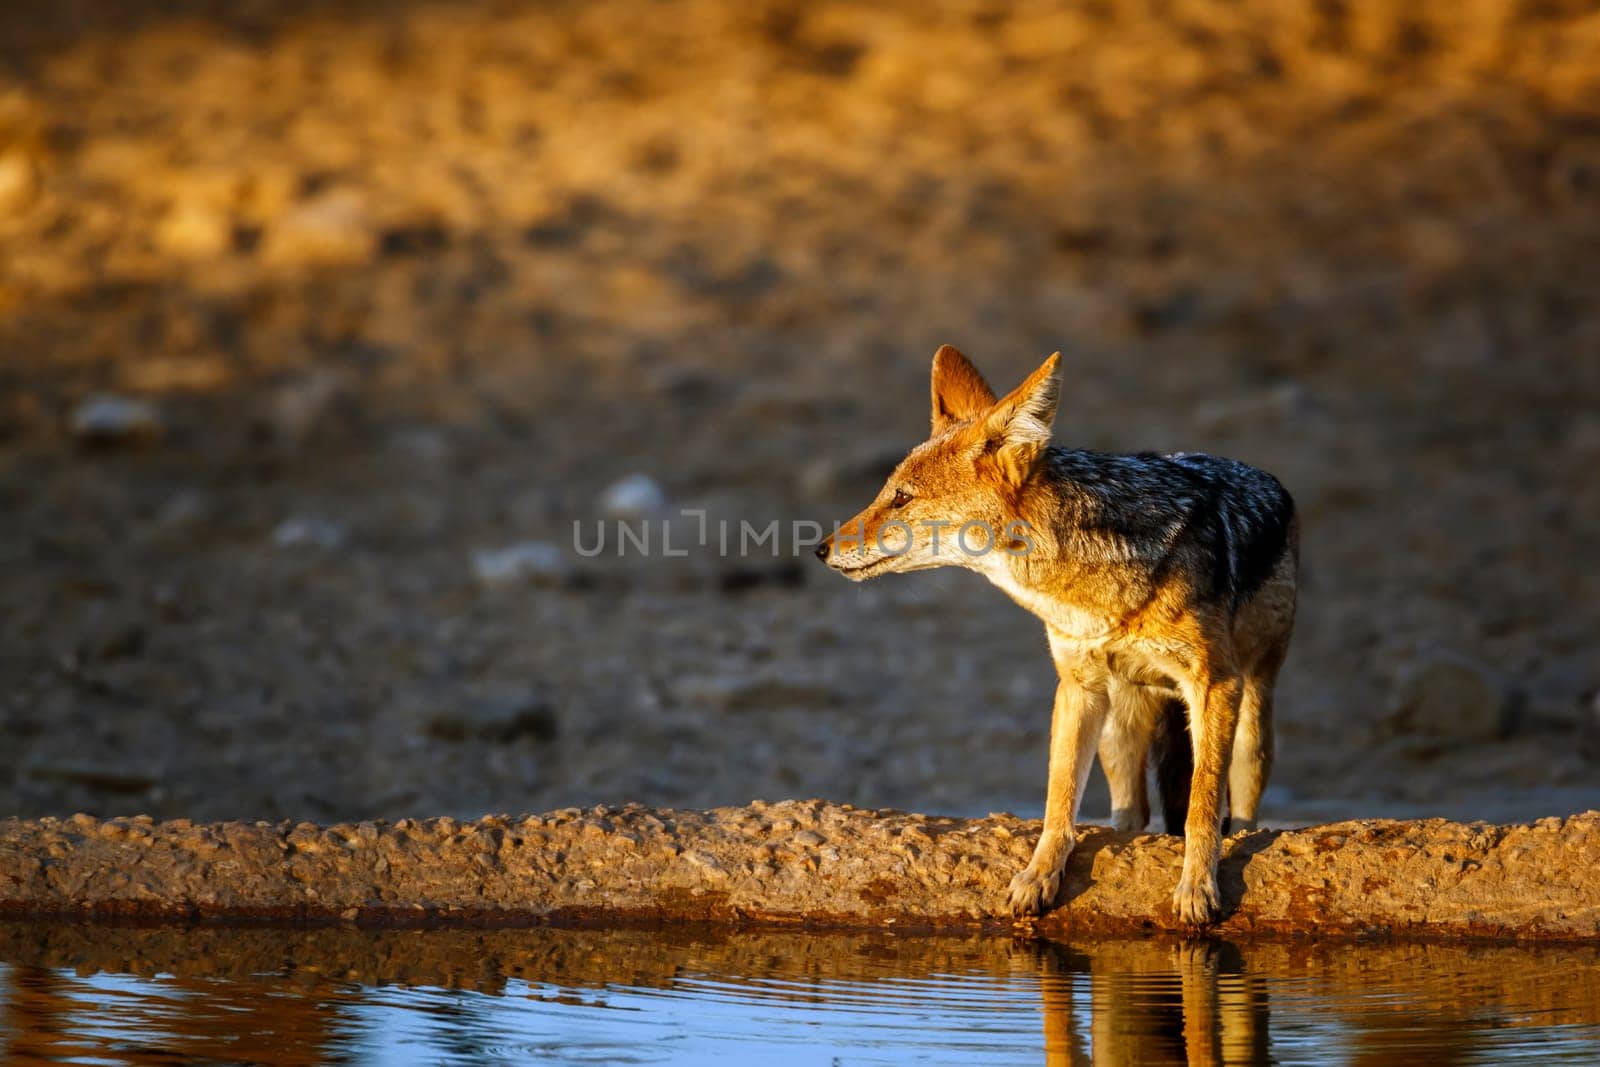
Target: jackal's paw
(1196,900)
(1128,820)
(1033,890)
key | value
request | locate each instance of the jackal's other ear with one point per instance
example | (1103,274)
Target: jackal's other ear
(1018,428)
(959,391)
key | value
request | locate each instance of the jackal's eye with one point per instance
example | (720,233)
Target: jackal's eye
(901,499)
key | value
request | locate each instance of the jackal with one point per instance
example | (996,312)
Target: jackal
(1160,579)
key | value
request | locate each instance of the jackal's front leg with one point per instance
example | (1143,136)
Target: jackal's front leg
(1216,697)
(1080,710)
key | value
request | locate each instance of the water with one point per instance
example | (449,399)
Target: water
(113,995)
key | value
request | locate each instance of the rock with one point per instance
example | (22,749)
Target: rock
(501,717)
(763,402)
(1452,697)
(111,635)
(539,562)
(139,679)
(19,183)
(1573,171)
(797,862)
(423,446)
(157,375)
(740,577)
(1589,731)
(865,470)
(685,384)
(330,229)
(1583,434)
(308,531)
(195,230)
(106,420)
(637,496)
(1274,406)
(118,778)
(20,413)
(757,691)
(298,407)
(184,509)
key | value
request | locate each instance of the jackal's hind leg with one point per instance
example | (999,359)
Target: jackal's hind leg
(1124,749)
(1252,758)
(1251,762)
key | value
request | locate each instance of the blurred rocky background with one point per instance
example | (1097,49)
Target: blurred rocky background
(321,322)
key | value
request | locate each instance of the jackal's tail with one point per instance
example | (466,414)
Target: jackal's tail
(1174,759)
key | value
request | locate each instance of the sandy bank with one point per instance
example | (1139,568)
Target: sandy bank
(803,862)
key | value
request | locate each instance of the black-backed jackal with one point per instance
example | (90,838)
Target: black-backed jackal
(1160,579)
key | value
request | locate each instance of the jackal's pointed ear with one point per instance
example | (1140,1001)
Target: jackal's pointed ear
(1018,428)
(959,391)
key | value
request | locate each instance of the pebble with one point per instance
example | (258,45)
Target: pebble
(308,531)
(332,228)
(183,509)
(1589,731)
(864,471)
(638,496)
(1274,406)
(500,717)
(111,636)
(1453,697)
(195,230)
(18,182)
(113,778)
(538,562)
(757,691)
(106,419)
(705,861)
(298,407)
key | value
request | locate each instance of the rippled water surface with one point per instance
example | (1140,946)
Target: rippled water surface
(103,995)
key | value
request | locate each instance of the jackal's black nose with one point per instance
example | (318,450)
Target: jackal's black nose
(822,551)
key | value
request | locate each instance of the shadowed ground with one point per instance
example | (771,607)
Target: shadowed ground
(409,282)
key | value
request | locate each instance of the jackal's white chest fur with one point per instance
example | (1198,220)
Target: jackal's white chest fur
(1085,633)
(1093,629)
